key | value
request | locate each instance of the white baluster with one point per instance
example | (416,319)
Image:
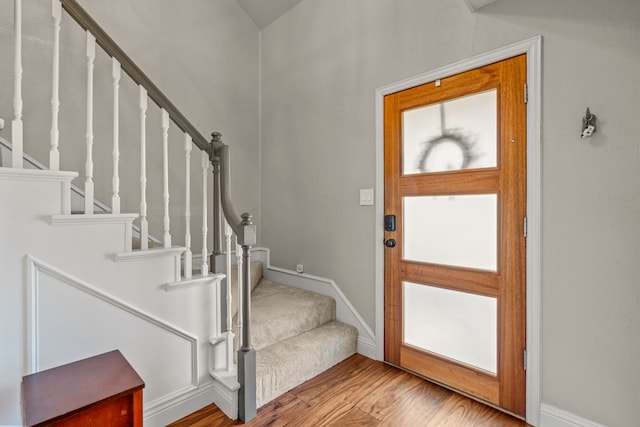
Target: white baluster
(239,285)
(144,224)
(88,183)
(16,124)
(54,154)
(204,267)
(188,262)
(228,234)
(115,75)
(165,177)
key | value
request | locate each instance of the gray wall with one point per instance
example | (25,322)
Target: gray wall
(321,64)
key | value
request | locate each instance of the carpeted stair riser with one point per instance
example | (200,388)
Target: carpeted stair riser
(289,363)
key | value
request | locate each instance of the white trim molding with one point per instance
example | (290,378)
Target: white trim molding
(37,175)
(195,281)
(36,268)
(139,254)
(532,47)
(83,219)
(550,416)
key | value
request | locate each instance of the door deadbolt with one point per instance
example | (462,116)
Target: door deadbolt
(389,223)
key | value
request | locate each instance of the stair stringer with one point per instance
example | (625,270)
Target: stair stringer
(345,311)
(85,253)
(42,281)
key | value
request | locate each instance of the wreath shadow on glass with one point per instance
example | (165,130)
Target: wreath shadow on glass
(450,151)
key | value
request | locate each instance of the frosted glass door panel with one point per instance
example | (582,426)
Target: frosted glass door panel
(453,135)
(452,230)
(456,325)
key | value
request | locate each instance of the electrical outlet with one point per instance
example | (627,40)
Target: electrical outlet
(299,268)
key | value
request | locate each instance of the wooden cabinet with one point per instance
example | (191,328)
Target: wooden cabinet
(103,390)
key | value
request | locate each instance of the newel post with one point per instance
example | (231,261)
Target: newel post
(247,354)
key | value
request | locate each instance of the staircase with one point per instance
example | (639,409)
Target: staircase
(80,277)
(295,334)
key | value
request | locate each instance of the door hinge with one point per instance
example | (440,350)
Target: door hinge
(524,227)
(525,360)
(526,93)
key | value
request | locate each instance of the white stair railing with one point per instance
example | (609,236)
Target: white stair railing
(166,236)
(88,183)
(16,124)
(54,154)
(144,223)
(228,234)
(240,320)
(115,181)
(214,156)
(188,261)
(204,267)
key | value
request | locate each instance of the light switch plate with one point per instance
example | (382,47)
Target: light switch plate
(366,197)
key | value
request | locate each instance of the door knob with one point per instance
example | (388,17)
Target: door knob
(390,243)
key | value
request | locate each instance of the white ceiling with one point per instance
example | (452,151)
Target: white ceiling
(264,12)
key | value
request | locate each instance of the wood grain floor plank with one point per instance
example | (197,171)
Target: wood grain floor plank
(326,414)
(414,404)
(363,392)
(357,418)
(383,400)
(353,389)
(460,411)
(210,415)
(321,386)
(280,412)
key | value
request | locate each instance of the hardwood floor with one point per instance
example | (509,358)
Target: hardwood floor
(364,392)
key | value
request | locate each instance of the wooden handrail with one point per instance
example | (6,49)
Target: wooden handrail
(83,19)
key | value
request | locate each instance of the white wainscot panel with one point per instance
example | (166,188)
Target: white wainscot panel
(71,320)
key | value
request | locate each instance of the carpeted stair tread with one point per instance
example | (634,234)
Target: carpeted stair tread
(279,312)
(287,364)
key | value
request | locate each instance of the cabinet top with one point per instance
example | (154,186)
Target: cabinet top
(62,391)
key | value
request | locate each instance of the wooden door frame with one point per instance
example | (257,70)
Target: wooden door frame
(533,49)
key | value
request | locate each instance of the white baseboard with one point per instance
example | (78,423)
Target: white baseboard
(193,401)
(367,347)
(550,416)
